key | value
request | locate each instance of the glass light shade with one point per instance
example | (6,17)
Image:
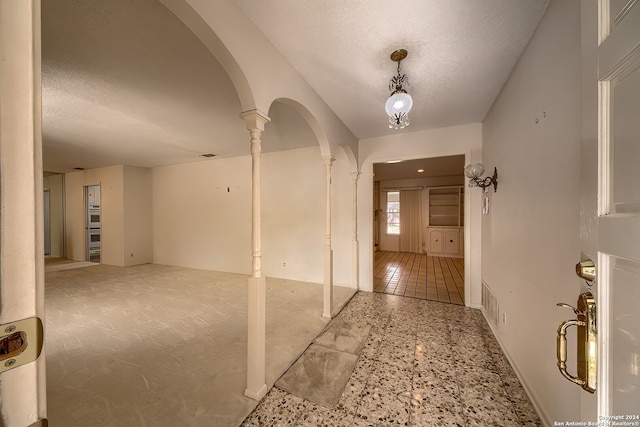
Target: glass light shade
(398,103)
(474,171)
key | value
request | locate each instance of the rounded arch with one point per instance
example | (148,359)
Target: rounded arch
(351,157)
(318,130)
(190,18)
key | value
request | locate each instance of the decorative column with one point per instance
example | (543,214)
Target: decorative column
(256,319)
(22,388)
(328,251)
(355,262)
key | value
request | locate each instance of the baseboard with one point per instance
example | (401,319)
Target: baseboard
(536,405)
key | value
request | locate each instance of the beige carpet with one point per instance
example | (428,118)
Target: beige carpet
(165,346)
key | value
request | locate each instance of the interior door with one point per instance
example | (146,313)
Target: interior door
(610,216)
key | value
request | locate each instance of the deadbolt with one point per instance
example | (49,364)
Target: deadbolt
(586,270)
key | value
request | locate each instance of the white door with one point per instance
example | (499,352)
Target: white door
(22,369)
(610,208)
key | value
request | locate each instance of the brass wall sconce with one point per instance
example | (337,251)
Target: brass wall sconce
(474,173)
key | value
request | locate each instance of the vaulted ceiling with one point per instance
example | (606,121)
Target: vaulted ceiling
(128,83)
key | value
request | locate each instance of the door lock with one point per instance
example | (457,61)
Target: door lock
(586,270)
(587,342)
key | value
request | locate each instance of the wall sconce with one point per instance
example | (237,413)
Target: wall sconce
(475,171)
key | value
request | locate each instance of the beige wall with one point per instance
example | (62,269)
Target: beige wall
(202,215)
(293,214)
(531,237)
(138,216)
(117,185)
(55,185)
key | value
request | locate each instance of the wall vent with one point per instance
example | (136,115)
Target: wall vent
(489,304)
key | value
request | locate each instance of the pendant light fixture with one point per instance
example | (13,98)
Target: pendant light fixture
(399,102)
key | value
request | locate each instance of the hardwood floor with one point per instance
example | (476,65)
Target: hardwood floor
(420,276)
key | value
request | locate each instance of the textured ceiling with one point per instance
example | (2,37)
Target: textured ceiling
(125,82)
(460,53)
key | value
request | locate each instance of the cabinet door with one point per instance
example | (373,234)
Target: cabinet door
(451,242)
(436,241)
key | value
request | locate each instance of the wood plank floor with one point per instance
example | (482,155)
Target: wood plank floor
(420,276)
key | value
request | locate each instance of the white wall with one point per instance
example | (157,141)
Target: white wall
(530,239)
(293,214)
(342,220)
(466,140)
(138,216)
(202,215)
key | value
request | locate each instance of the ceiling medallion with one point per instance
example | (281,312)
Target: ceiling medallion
(399,102)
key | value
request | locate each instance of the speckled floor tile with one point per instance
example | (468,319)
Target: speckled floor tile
(316,415)
(383,408)
(390,377)
(278,408)
(423,364)
(490,411)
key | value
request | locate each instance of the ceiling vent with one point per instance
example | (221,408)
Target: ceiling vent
(206,155)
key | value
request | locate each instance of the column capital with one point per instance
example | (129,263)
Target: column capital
(328,160)
(255,119)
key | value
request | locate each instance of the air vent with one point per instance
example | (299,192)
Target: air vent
(206,155)
(79,169)
(489,304)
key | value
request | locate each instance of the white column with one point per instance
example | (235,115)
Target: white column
(256,318)
(23,389)
(328,251)
(355,262)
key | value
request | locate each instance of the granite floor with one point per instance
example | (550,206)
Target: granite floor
(424,364)
(157,346)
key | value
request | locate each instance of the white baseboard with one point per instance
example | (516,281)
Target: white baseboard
(541,413)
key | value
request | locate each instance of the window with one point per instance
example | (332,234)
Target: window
(393,212)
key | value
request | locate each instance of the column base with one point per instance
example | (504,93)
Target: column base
(328,284)
(256,394)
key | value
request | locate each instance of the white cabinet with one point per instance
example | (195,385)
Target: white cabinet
(445,232)
(445,241)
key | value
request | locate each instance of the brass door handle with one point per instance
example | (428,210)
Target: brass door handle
(561,346)
(587,343)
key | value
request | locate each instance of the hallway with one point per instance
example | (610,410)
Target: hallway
(425,364)
(420,276)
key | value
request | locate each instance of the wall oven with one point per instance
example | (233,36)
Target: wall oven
(94,216)
(94,241)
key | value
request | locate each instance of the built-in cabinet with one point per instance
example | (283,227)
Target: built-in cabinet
(445,216)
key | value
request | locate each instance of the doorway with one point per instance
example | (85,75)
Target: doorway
(93,218)
(419,228)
